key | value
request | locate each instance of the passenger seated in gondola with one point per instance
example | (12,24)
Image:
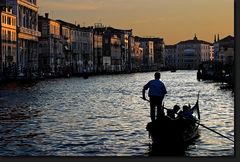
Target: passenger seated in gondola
(172,112)
(186,112)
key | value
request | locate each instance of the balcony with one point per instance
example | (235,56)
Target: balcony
(30,32)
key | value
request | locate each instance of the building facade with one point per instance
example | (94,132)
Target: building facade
(170,56)
(224,50)
(86,40)
(8,45)
(131,51)
(51,57)
(77,62)
(138,56)
(191,53)
(98,48)
(126,45)
(148,59)
(116,55)
(117,50)
(159,52)
(66,37)
(28,36)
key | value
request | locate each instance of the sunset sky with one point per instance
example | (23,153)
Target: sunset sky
(173,20)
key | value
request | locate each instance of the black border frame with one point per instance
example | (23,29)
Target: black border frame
(141,159)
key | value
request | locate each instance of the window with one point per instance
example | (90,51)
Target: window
(13,36)
(14,22)
(9,35)
(9,21)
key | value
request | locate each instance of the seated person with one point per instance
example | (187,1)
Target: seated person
(171,113)
(186,112)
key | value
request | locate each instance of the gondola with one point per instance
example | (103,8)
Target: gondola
(175,134)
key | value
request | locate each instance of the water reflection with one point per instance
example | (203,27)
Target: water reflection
(105,116)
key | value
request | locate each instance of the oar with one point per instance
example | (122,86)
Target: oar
(200,124)
(213,131)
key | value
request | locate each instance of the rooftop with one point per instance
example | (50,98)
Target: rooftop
(195,40)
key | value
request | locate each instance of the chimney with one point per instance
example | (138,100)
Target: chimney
(47,15)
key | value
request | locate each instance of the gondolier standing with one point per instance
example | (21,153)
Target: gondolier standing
(156,93)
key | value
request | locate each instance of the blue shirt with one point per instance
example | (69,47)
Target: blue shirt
(156,88)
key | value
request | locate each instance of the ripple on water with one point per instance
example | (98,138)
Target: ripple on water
(105,116)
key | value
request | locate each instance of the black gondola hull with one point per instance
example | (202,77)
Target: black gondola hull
(175,133)
(167,132)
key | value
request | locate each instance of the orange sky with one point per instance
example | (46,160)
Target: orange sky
(173,20)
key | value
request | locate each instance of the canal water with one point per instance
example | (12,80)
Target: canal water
(105,116)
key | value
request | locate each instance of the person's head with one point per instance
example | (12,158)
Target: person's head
(157,75)
(185,108)
(176,108)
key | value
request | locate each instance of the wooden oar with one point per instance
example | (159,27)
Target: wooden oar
(199,124)
(213,131)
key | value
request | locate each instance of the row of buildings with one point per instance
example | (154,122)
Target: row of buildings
(36,46)
(191,53)
(66,48)
(19,37)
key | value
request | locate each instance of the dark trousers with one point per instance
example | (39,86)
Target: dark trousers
(156,101)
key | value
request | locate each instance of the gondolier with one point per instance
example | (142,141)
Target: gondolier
(156,93)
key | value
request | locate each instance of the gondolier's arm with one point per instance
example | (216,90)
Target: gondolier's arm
(143,94)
